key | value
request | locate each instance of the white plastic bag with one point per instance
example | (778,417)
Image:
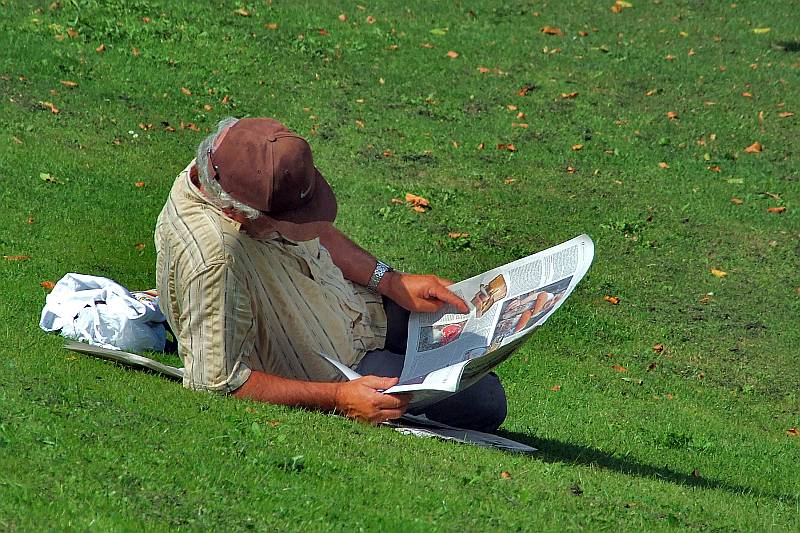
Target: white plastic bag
(103,313)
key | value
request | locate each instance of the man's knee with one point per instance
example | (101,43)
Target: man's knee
(491,406)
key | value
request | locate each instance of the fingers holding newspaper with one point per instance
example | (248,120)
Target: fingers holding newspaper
(362,400)
(420,293)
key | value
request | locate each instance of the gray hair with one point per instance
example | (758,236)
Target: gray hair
(212,189)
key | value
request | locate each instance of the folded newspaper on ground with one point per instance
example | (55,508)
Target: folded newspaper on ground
(448,351)
(418,426)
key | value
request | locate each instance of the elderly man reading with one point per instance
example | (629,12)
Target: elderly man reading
(256,283)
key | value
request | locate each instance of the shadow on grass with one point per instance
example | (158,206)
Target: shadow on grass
(789,46)
(555,451)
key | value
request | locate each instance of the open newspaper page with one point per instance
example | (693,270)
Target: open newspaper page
(448,351)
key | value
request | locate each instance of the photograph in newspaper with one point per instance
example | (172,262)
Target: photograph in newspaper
(437,335)
(525,311)
(488,294)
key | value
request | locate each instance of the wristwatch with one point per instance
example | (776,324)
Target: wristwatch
(381,269)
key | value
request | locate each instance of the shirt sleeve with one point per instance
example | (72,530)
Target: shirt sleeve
(216,330)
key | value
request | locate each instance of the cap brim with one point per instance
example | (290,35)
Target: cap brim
(307,222)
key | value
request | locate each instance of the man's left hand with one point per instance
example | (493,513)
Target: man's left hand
(420,293)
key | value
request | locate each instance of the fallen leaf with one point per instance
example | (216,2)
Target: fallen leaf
(417,201)
(208,107)
(388,153)
(359,123)
(569,96)
(505,474)
(511,107)
(691,52)
(669,396)
(672,115)
(135,52)
(619,368)
(776,210)
(397,201)
(509,147)
(16,257)
(343,17)
(452,54)
(737,201)
(30,219)
(658,347)
(456,235)
(455,144)
(669,57)
(747,95)
(614,300)
(72,33)
(480,146)
(772,195)
(370,19)
(242,12)
(754,148)
(519,125)
(651,367)
(509,181)
(663,165)
(49,105)
(715,168)
(146,20)
(786,114)
(139,246)
(323,32)
(718,273)
(49,178)
(793,432)
(570,169)
(418,209)
(577,147)
(139,184)
(100,49)
(186,91)
(583,33)
(651,92)
(525,89)
(271,26)
(761,31)
(225,100)
(555,388)
(16,139)
(551,30)
(521,115)
(68,83)
(144,126)
(48,285)
(426,45)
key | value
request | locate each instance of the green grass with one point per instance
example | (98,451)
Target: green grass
(692,437)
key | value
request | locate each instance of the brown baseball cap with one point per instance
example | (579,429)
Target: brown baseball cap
(261,163)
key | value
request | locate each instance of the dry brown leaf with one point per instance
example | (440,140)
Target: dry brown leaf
(426,45)
(225,100)
(370,19)
(271,26)
(737,201)
(658,347)
(754,148)
(323,32)
(715,168)
(583,33)
(718,273)
(139,184)
(69,83)
(651,92)
(484,70)
(509,181)
(16,257)
(396,201)
(614,300)
(651,367)
(343,17)
(569,96)
(619,368)
(186,91)
(551,30)
(146,20)
(388,153)
(100,49)
(793,432)
(525,89)
(786,114)
(505,474)
(669,57)
(519,125)
(452,54)
(47,285)
(360,123)
(511,107)
(571,170)
(776,210)
(417,201)
(135,52)
(72,33)
(139,246)
(577,147)
(672,115)
(480,146)
(49,105)
(747,95)
(521,115)
(418,209)
(555,388)
(208,107)
(242,12)
(457,235)
(663,165)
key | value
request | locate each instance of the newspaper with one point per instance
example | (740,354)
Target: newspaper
(448,351)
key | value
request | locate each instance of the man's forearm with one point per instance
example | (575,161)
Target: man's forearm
(355,263)
(269,388)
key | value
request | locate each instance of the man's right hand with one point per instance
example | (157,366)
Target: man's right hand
(359,399)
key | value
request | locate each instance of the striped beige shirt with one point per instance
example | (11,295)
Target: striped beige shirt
(238,304)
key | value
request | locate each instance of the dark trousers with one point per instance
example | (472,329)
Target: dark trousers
(481,407)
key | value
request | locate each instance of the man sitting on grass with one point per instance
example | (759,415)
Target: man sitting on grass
(256,283)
